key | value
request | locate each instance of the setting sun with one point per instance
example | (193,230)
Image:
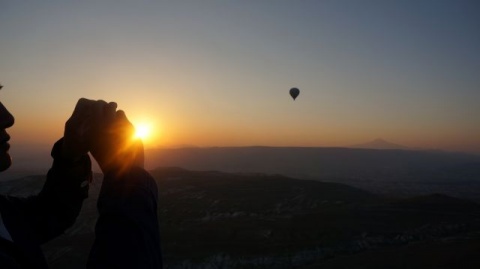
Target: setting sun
(142,131)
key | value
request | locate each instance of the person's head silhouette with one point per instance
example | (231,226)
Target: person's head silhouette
(6,121)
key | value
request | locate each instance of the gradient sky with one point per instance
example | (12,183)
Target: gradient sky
(217,73)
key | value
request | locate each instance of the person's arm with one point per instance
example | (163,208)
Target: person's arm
(39,218)
(127,232)
(42,217)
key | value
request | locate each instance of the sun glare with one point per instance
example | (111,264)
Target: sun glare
(142,131)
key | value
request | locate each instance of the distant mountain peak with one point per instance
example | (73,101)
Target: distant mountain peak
(379,143)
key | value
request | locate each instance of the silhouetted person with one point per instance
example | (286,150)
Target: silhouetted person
(126,233)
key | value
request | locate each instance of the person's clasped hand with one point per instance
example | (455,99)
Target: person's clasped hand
(97,126)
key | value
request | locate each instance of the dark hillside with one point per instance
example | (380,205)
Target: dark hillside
(318,163)
(220,220)
(400,173)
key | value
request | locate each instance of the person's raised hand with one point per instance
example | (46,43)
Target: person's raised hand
(82,126)
(114,146)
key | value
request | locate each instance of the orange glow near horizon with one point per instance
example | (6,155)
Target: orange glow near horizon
(163,128)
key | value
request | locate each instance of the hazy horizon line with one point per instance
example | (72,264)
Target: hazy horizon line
(44,146)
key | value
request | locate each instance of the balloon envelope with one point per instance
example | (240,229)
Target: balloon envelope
(294,92)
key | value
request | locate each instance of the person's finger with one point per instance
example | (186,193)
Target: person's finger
(122,122)
(83,107)
(120,115)
(98,109)
(110,111)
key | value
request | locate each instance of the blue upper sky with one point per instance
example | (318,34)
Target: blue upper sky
(218,72)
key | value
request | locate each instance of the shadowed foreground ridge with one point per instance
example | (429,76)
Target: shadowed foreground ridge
(212,219)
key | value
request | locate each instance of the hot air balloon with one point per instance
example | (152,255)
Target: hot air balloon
(294,92)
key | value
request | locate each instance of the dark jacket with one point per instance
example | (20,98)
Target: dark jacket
(127,234)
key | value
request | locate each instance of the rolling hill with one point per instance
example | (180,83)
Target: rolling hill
(211,219)
(401,173)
